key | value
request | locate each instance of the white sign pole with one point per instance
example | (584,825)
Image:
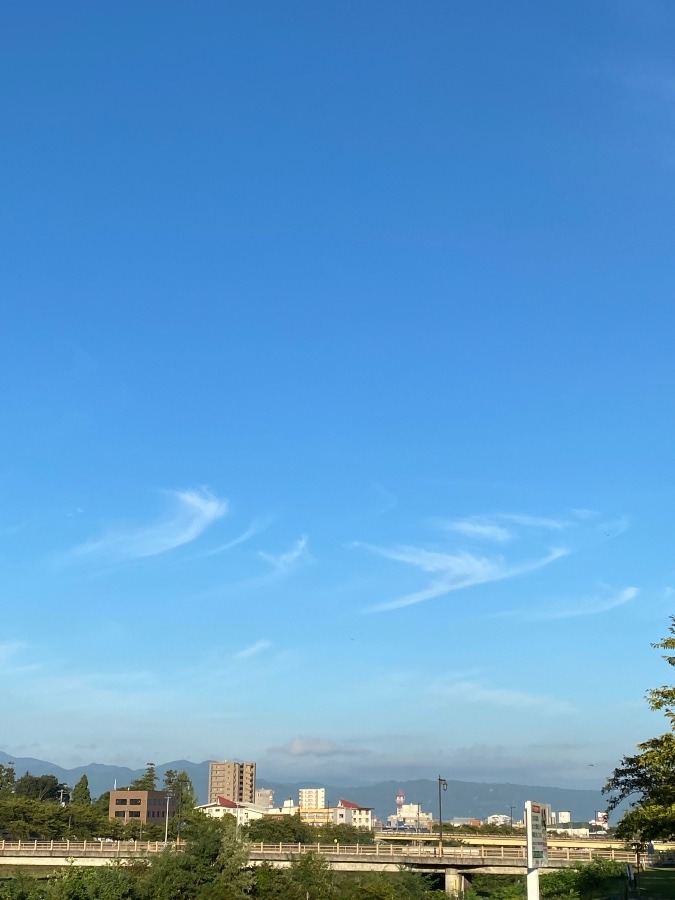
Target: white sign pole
(535,818)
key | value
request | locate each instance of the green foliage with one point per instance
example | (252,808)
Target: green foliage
(38,787)
(179,785)
(147,781)
(105,883)
(312,877)
(292,830)
(342,834)
(648,777)
(213,866)
(387,886)
(7,780)
(284,829)
(80,792)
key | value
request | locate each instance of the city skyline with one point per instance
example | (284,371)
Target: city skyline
(336,369)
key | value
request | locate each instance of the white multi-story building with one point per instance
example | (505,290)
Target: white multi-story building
(348,813)
(312,798)
(223,806)
(498,819)
(412,816)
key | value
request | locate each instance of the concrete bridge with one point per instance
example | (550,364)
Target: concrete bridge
(455,864)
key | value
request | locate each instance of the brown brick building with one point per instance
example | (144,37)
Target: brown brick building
(140,806)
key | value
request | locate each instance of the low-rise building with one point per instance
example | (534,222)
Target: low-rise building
(287,808)
(243,812)
(498,819)
(322,815)
(264,797)
(140,806)
(345,813)
(410,815)
(348,813)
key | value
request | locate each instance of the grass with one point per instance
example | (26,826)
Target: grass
(657,884)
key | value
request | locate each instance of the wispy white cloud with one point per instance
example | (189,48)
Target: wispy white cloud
(478,528)
(589,606)
(304,746)
(614,527)
(284,562)
(474,692)
(257,526)
(585,514)
(534,521)
(455,571)
(191,514)
(10,651)
(253,649)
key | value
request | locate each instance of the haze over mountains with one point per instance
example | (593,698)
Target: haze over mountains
(462,799)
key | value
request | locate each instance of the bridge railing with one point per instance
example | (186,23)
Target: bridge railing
(81,848)
(488,852)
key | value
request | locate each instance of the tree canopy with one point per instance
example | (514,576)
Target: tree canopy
(38,787)
(647,778)
(80,792)
(147,781)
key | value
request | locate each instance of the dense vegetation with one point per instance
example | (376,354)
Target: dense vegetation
(37,807)
(215,867)
(648,777)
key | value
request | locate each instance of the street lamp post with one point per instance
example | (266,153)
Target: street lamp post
(166,822)
(442,786)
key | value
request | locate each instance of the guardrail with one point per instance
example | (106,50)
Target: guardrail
(133,849)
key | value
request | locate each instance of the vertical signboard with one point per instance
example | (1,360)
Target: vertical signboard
(537,847)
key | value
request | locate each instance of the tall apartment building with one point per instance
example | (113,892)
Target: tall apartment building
(312,798)
(233,780)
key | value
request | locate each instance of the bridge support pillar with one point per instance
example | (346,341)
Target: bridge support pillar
(455,883)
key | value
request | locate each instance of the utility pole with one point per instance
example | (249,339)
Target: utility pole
(442,786)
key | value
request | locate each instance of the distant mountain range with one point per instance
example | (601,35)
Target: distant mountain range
(465,799)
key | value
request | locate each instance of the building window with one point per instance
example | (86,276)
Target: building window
(120,815)
(134,801)
(121,802)
(134,815)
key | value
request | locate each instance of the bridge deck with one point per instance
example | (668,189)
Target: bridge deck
(464,856)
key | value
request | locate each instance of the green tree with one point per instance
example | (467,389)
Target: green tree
(214,865)
(647,778)
(38,787)
(7,780)
(80,792)
(102,803)
(312,876)
(342,834)
(112,882)
(147,781)
(285,829)
(179,785)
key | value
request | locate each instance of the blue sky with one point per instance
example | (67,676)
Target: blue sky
(337,383)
